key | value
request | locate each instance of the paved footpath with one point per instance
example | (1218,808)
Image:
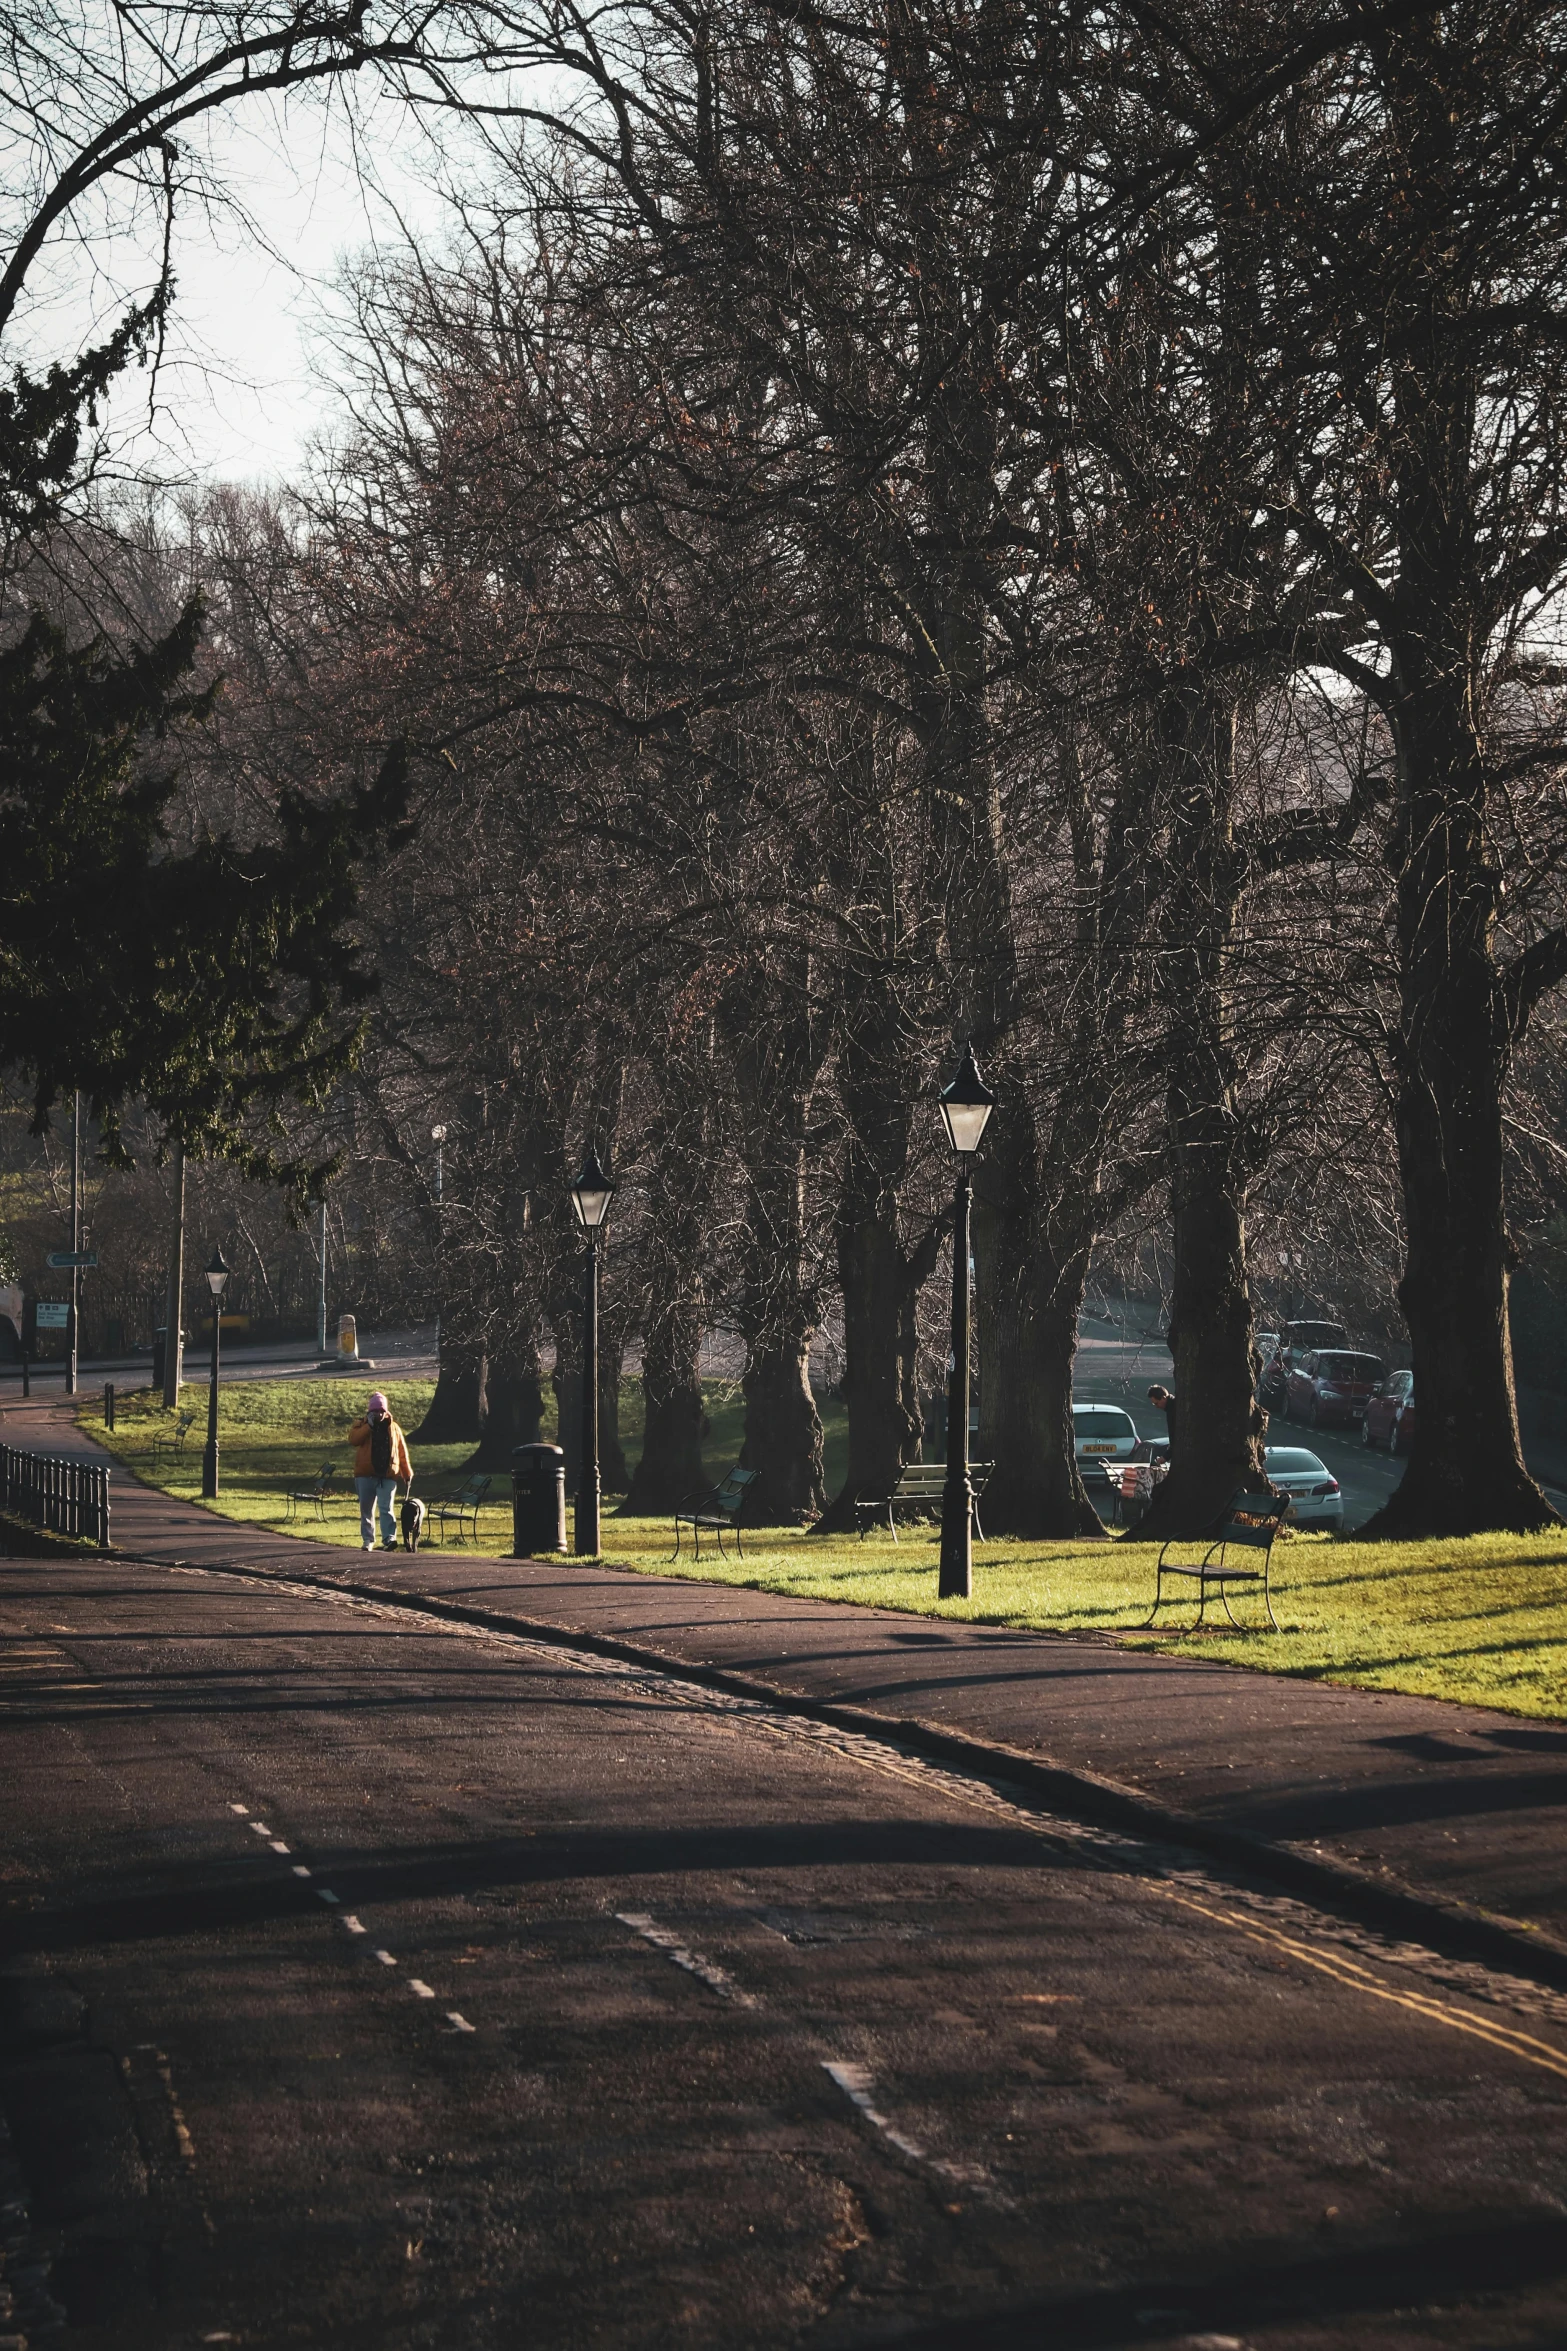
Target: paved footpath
(1456,1805)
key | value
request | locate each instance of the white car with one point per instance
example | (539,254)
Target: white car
(1310,1484)
(1100,1433)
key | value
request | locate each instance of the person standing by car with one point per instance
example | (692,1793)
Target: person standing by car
(1162,1401)
(380,1464)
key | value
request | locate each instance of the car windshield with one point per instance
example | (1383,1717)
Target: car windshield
(1285,1460)
(1315,1334)
(1351,1367)
(1090,1421)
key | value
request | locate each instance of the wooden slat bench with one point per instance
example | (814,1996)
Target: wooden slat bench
(1250,1523)
(919,1487)
(718,1509)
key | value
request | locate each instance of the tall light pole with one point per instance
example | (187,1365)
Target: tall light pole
(438,1137)
(217,1283)
(174,1309)
(321,1299)
(76,1239)
(590,1197)
(966,1105)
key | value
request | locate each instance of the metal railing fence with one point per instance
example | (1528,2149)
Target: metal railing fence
(66,1497)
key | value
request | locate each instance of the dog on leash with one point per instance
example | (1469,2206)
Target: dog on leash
(413,1521)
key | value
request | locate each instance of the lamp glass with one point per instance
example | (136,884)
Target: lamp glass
(966,1105)
(590,1194)
(217,1274)
(437,1134)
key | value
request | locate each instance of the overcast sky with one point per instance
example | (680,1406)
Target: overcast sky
(246,382)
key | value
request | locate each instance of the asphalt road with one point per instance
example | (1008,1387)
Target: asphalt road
(375,1983)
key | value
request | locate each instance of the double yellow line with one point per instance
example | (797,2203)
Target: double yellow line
(1361,1979)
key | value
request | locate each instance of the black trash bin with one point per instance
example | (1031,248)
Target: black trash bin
(538,1501)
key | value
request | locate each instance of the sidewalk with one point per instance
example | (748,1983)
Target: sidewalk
(1451,1804)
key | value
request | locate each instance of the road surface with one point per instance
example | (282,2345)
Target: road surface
(372,1982)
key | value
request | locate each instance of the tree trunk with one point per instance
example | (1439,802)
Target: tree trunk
(452,1416)
(1466,1472)
(511,1408)
(1217,1443)
(783,1433)
(614,1476)
(1028,1300)
(674,1415)
(881,1285)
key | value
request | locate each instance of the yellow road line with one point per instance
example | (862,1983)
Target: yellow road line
(1360,1979)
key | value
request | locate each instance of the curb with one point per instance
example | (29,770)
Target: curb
(1451,1928)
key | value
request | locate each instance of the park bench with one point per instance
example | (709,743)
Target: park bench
(464,1505)
(1250,1523)
(325,1479)
(920,1487)
(718,1509)
(169,1442)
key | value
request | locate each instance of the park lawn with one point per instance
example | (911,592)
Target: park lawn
(1482,1621)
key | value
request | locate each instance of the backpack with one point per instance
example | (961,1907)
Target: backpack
(382,1450)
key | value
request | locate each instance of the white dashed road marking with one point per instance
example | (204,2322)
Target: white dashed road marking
(300,1870)
(325,1894)
(459,2022)
(350,1923)
(858,2087)
(386,1959)
(422,1990)
(704,1970)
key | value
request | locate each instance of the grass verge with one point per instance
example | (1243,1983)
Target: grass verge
(1482,1621)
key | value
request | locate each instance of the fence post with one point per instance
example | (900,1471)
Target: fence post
(108,1405)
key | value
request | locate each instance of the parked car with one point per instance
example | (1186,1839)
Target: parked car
(1310,1484)
(1390,1413)
(1332,1384)
(1101,1433)
(1294,1340)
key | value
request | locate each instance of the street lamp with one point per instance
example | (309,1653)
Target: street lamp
(217,1283)
(590,1197)
(966,1105)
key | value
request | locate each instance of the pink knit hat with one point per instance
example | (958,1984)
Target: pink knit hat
(378,1403)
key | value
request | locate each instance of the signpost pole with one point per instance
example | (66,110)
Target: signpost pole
(76,1238)
(172,1364)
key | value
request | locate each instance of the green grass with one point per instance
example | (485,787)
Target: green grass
(1482,1621)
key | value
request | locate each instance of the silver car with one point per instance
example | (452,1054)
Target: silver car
(1310,1484)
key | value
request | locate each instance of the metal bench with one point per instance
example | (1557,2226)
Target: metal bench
(920,1487)
(325,1479)
(172,1441)
(718,1509)
(1250,1523)
(464,1505)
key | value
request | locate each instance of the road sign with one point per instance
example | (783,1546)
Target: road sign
(54,1314)
(63,1259)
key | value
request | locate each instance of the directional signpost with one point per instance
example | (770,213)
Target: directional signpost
(63,1259)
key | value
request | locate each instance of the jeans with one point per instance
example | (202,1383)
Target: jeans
(373,1492)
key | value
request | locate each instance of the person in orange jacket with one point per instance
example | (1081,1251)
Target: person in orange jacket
(381,1463)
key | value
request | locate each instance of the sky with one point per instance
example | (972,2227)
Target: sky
(246,383)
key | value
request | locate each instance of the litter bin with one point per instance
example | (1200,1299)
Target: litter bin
(538,1501)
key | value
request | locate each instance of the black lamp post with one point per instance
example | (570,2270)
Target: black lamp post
(217,1283)
(965,1106)
(590,1197)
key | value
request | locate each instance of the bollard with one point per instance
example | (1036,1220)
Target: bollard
(108,1404)
(27,1381)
